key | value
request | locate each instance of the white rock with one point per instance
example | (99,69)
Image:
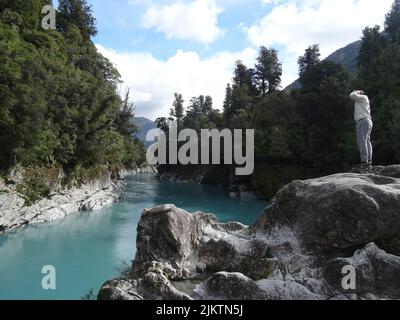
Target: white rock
(89,197)
(285,290)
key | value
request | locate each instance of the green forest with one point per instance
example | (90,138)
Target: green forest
(59,101)
(60,106)
(307,132)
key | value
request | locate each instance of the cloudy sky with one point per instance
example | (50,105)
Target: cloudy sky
(190,46)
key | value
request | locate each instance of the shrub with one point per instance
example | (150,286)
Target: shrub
(33,189)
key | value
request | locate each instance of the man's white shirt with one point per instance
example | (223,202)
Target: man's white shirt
(362,108)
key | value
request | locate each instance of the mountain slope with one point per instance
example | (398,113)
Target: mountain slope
(346,56)
(144,125)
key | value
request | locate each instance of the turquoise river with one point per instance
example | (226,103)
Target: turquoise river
(87,249)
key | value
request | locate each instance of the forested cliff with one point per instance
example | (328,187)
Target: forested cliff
(59,102)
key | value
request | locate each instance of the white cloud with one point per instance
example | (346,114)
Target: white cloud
(272,1)
(291,26)
(153,82)
(196,21)
(295,24)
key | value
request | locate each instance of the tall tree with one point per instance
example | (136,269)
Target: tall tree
(124,121)
(326,113)
(228,99)
(30,11)
(310,59)
(268,71)
(78,13)
(379,69)
(372,44)
(392,23)
(195,107)
(177,108)
(243,76)
(207,105)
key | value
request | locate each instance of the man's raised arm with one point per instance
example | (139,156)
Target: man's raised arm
(357,96)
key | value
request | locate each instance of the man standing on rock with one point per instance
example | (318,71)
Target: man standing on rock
(362,115)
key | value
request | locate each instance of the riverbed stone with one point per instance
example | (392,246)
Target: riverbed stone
(337,213)
(285,290)
(152,286)
(170,235)
(187,243)
(229,286)
(118,289)
(156,286)
(376,271)
(223,255)
(386,171)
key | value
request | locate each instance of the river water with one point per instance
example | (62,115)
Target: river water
(86,249)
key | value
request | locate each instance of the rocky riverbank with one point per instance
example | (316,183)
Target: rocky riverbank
(297,249)
(213,175)
(189,174)
(142,170)
(91,196)
(15,211)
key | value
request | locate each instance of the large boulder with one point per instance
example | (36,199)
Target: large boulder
(156,286)
(337,213)
(118,289)
(229,286)
(388,171)
(375,270)
(187,244)
(170,235)
(152,286)
(285,290)
(174,246)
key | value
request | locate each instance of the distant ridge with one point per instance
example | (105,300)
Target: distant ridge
(144,125)
(346,56)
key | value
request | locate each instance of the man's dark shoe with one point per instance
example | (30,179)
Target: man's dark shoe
(365,167)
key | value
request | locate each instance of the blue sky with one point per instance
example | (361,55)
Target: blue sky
(190,46)
(132,36)
(120,27)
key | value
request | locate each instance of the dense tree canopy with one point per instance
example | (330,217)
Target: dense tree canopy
(76,13)
(309,60)
(268,71)
(59,104)
(379,70)
(311,131)
(177,109)
(392,23)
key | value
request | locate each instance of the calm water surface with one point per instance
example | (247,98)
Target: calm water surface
(88,249)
